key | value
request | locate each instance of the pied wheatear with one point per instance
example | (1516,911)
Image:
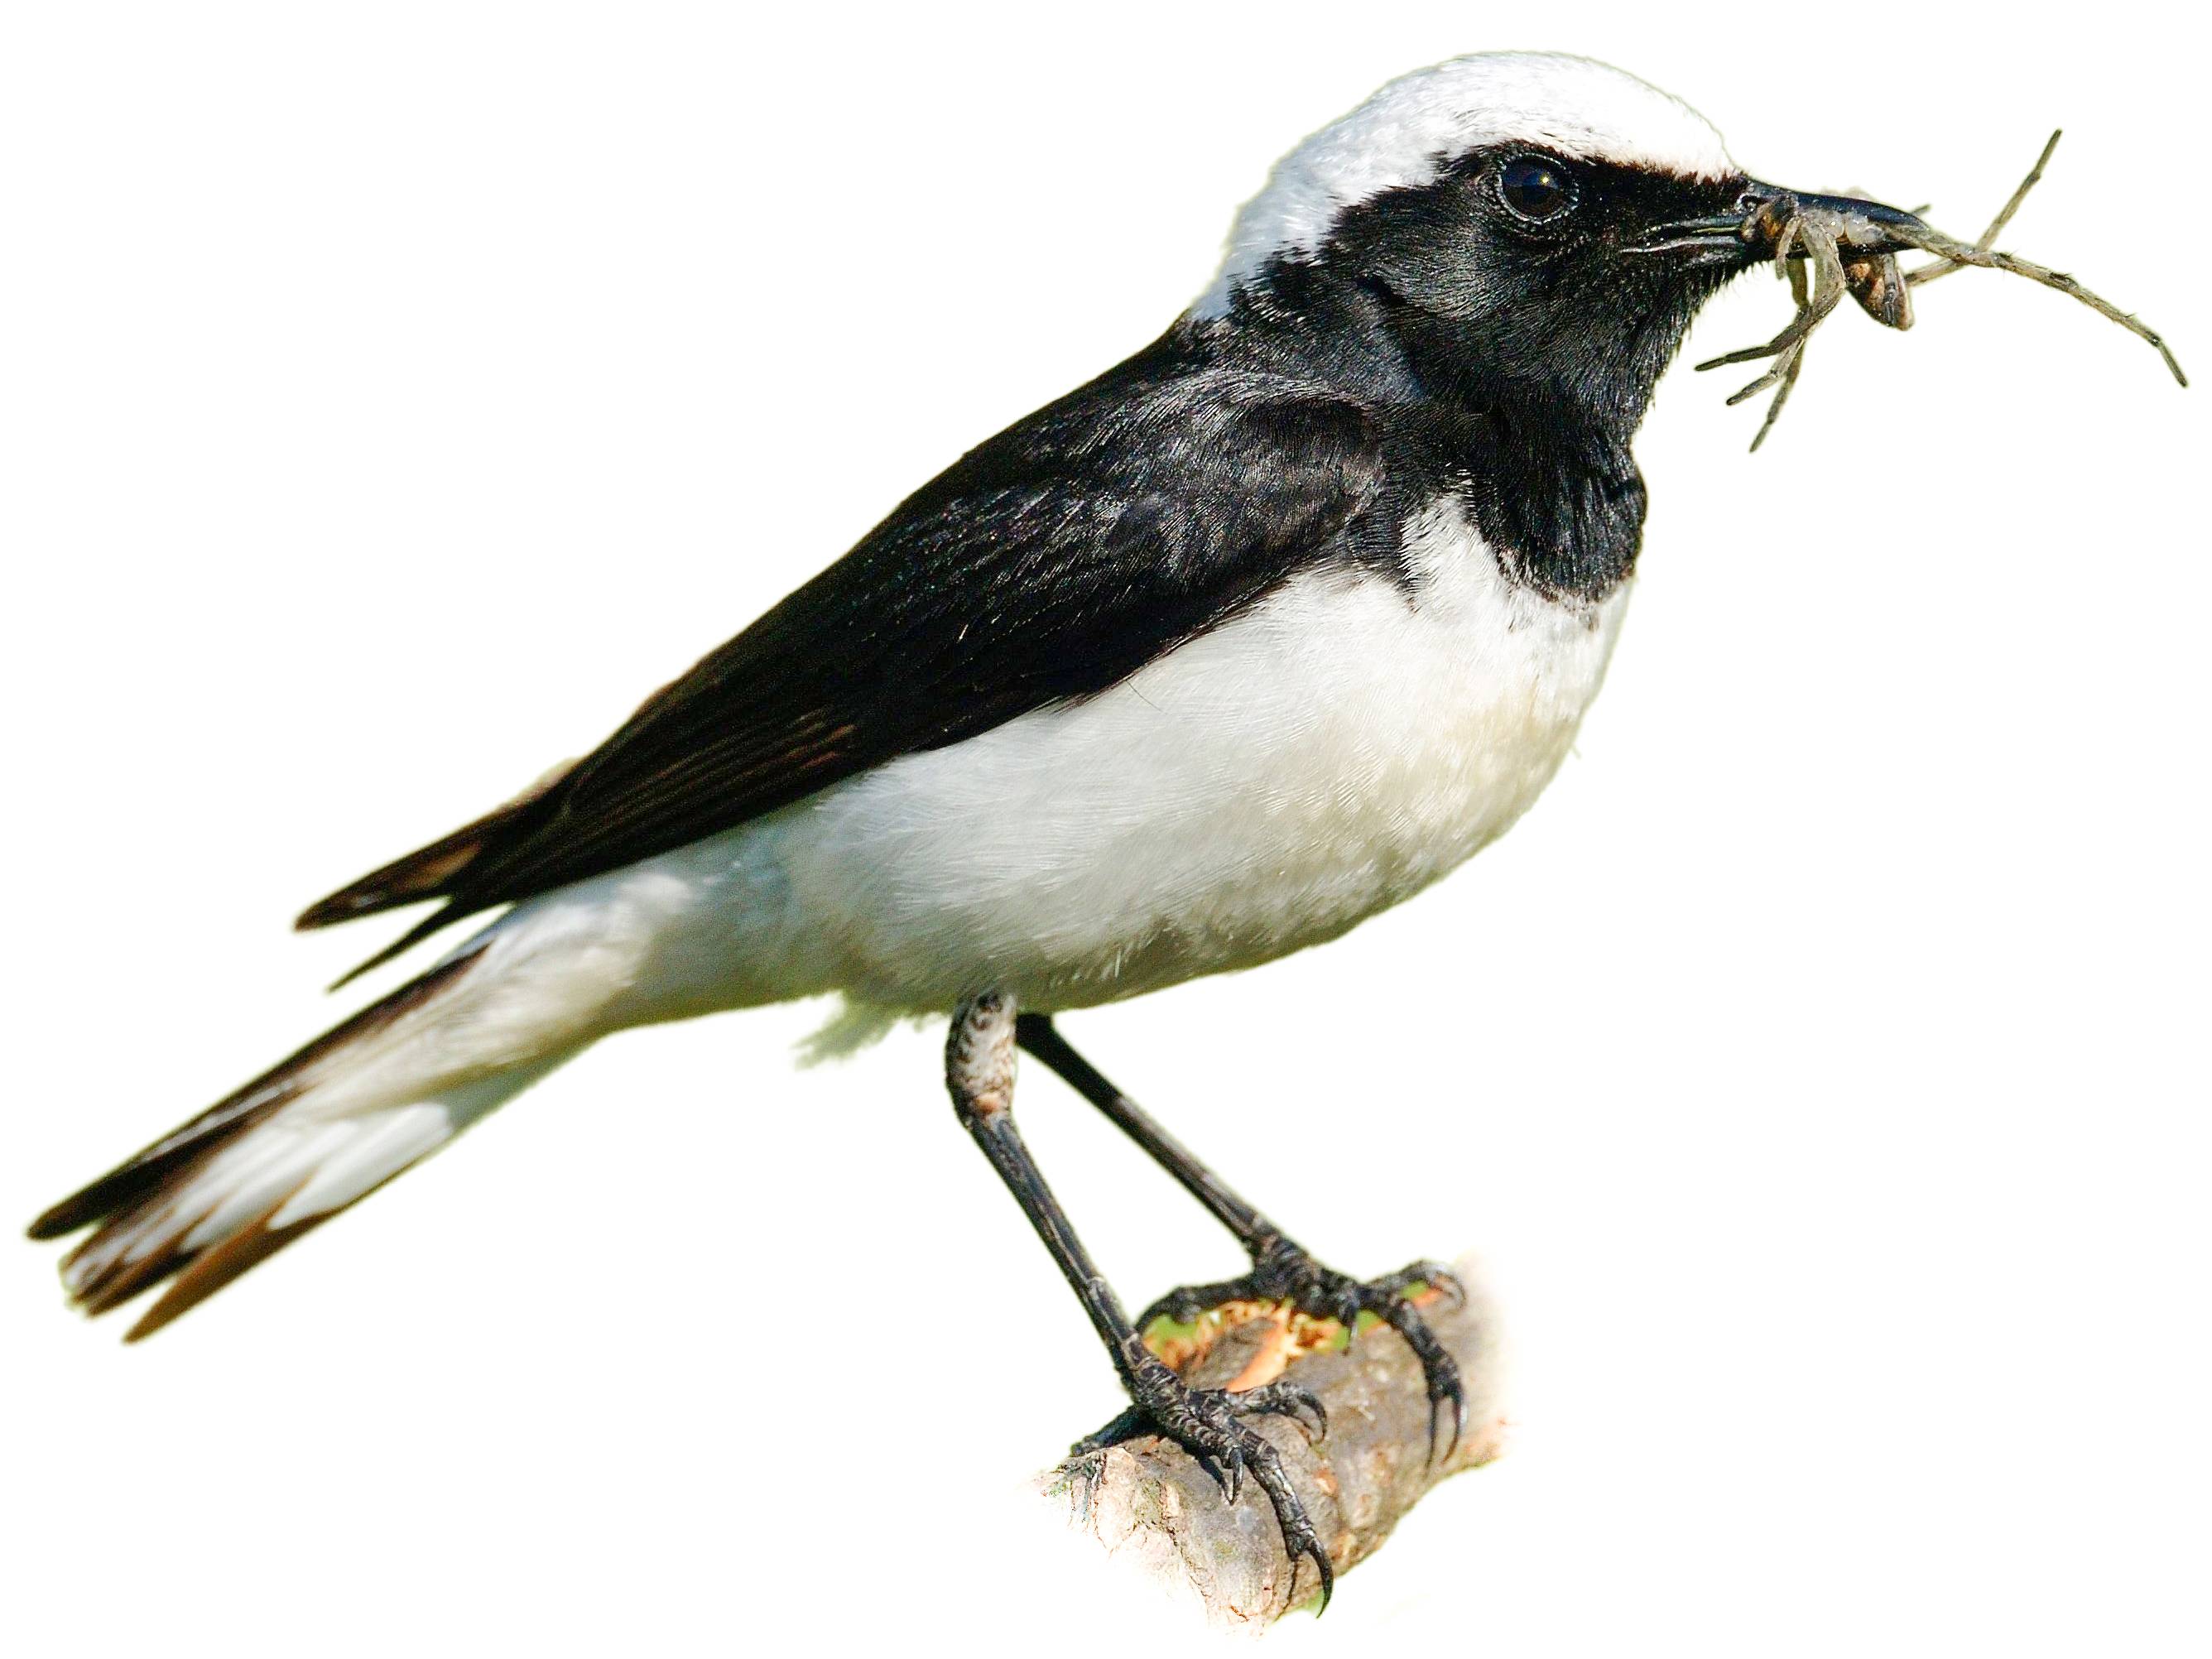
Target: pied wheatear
(1253,636)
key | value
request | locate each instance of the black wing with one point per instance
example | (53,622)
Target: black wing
(1045,565)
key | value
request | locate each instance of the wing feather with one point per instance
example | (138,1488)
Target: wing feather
(1044,566)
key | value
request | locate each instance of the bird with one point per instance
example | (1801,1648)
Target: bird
(1258,634)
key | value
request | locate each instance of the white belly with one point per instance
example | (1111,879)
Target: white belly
(1265,788)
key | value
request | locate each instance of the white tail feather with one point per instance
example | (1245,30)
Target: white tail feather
(378,1093)
(292,1168)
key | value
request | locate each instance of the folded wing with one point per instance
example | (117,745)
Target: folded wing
(1046,565)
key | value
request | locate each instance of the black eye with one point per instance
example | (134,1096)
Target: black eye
(1535,188)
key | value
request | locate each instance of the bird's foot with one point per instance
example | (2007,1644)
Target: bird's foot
(1208,1424)
(1283,1272)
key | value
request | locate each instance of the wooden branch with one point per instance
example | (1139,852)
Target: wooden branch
(1149,1499)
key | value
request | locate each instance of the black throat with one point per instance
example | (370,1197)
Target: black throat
(1549,482)
(1523,403)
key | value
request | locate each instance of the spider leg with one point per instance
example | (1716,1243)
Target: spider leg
(1789,353)
(2102,307)
(1799,326)
(1829,286)
(1928,239)
(1782,391)
(1989,238)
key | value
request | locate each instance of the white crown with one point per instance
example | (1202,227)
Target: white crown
(1404,134)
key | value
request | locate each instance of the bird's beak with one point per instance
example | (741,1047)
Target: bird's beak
(1753,228)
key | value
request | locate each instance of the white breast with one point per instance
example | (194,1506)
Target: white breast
(1325,755)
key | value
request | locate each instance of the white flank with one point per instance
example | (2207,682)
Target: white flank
(1265,788)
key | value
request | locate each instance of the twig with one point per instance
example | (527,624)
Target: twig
(1150,1499)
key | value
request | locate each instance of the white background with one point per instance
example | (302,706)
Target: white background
(392,395)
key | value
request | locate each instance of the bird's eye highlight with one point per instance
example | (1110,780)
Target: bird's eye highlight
(1535,188)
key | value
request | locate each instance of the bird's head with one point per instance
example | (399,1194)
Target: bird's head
(1520,222)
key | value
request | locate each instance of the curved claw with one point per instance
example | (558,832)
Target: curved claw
(1284,1398)
(1229,1469)
(1434,1274)
(1386,1299)
(1438,1401)
(1298,1536)
(1205,1422)
(1285,1272)
(1312,1550)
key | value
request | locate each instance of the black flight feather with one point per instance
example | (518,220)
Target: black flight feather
(1046,565)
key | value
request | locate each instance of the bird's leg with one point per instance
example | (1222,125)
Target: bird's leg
(1208,1422)
(1283,1271)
